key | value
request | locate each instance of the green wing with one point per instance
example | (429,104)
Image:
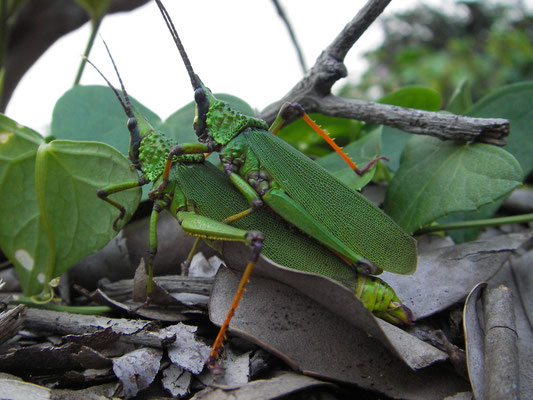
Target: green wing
(214,196)
(348,215)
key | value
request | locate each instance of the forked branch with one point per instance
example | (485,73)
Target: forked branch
(313,92)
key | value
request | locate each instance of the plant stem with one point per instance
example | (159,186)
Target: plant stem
(95,25)
(481,223)
(86,310)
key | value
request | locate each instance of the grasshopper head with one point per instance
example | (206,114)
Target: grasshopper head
(216,120)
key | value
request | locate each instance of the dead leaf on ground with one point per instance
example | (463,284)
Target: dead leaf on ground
(509,276)
(187,351)
(137,370)
(176,380)
(316,341)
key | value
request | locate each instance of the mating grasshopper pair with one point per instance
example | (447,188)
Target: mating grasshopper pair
(339,232)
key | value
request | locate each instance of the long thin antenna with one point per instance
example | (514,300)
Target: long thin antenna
(117,94)
(127,108)
(174,33)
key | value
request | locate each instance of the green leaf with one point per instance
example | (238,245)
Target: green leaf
(22,237)
(76,221)
(395,140)
(438,178)
(419,97)
(461,99)
(515,103)
(361,151)
(51,216)
(94,113)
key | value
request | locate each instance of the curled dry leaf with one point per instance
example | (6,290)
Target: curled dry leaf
(501,355)
(445,276)
(45,359)
(525,333)
(475,332)
(474,340)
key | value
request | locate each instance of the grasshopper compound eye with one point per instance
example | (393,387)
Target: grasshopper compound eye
(201,101)
(132,124)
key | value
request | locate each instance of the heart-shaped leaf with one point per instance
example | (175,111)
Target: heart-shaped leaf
(77,222)
(51,216)
(438,178)
(22,235)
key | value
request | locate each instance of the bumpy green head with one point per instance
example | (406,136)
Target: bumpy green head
(216,120)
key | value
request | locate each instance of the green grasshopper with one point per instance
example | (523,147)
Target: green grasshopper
(339,223)
(268,171)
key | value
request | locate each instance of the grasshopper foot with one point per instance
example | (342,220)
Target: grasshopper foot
(119,218)
(362,171)
(146,303)
(214,366)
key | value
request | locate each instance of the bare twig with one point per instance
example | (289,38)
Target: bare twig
(313,92)
(139,332)
(297,47)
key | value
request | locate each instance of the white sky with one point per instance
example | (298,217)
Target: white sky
(236,46)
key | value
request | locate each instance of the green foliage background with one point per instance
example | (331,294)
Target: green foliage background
(489,43)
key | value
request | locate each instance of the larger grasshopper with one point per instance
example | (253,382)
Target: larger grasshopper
(266,170)
(350,232)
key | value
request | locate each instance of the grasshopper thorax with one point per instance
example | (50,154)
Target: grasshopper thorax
(217,121)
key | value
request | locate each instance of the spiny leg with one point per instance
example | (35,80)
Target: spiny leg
(207,228)
(257,246)
(287,112)
(107,191)
(157,207)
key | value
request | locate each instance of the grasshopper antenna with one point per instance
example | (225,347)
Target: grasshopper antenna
(185,58)
(126,97)
(117,94)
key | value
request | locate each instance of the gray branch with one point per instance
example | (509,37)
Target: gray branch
(313,92)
